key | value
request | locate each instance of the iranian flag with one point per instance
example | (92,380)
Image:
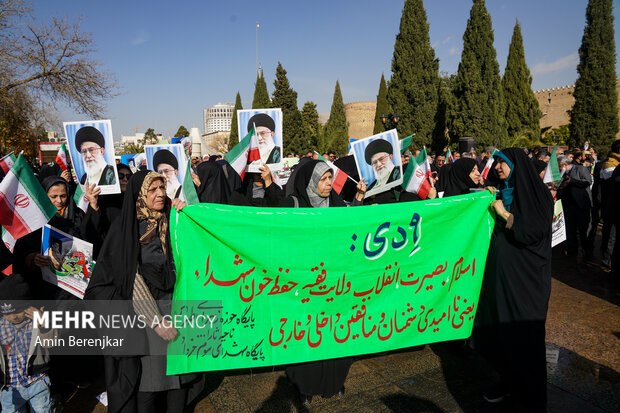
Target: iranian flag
(188,191)
(449,156)
(340,176)
(24,205)
(245,152)
(7,162)
(416,179)
(80,199)
(405,142)
(8,239)
(61,157)
(487,167)
(552,173)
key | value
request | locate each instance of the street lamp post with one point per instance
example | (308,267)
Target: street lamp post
(390,121)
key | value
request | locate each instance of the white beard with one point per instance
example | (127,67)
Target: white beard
(172,186)
(265,149)
(94,170)
(383,175)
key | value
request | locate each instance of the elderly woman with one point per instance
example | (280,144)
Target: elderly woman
(313,189)
(136,264)
(517,282)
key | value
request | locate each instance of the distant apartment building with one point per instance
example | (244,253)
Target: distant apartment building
(217,118)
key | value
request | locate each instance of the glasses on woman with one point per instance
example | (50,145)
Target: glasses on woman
(123,176)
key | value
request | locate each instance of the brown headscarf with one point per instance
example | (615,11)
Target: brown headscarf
(156,224)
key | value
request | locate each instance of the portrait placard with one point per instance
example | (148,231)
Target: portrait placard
(91,148)
(378,161)
(171,163)
(268,123)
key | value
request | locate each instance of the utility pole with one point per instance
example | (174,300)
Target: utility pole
(257,64)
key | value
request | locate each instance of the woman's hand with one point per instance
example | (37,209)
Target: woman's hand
(361,190)
(432,194)
(265,174)
(41,260)
(491,189)
(92,194)
(195,179)
(178,204)
(66,175)
(167,333)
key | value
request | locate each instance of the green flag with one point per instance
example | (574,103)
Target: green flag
(552,173)
(277,289)
(189,190)
(404,143)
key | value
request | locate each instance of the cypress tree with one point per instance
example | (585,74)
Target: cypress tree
(595,113)
(522,109)
(414,87)
(382,106)
(234,128)
(336,137)
(261,95)
(479,111)
(285,98)
(312,127)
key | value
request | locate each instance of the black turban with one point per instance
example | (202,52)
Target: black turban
(261,119)
(165,156)
(377,146)
(88,134)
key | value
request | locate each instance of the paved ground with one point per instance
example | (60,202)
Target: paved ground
(583,355)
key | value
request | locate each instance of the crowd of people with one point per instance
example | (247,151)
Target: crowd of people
(131,245)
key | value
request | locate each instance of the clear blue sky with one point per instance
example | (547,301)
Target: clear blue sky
(172,59)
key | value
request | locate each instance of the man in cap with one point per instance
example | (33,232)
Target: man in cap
(379,154)
(265,127)
(91,144)
(165,163)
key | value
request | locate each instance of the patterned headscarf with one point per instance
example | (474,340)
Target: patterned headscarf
(316,200)
(156,224)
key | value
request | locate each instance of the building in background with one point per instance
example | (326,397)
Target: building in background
(217,118)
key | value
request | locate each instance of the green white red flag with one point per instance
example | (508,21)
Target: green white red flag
(188,191)
(405,142)
(417,176)
(61,157)
(24,205)
(487,166)
(8,239)
(552,173)
(449,156)
(340,176)
(245,152)
(80,199)
(7,162)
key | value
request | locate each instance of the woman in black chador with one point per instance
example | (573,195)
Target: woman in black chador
(510,323)
(135,264)
(313,189)
(459,177)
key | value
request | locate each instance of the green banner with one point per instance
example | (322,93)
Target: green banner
(285,286)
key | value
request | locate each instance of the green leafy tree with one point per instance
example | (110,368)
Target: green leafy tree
(285,98)
(234,128)
(522,109)
(594,116)
(442,138)
(150,137)
(182,132)
(336,136)
(261,95)
(557,136)
(129,149)
(479,110)
(312,127)
(414,87)
(382,106)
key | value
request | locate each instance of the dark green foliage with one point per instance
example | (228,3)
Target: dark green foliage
(285,98)
(522,109)
(261,95)
(382,106)
(312,127)
(479,109)
(414,87)
(442,136)
(182,132)
(234,128)
(557,136)
(150,137)
(336,136)
(595,113)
